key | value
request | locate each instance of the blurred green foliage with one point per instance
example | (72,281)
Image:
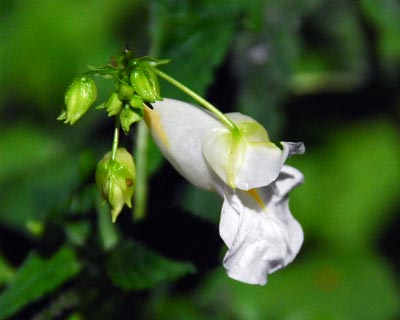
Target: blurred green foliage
(319,71)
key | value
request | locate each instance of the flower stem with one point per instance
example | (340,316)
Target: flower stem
(223,118)
(115,139)
(141,154)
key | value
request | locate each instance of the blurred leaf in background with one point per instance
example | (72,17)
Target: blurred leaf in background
(37,277)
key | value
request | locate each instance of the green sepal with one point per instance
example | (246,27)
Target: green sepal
(128,116)
(149,61)
(136,102)
(113,104)
(106,71)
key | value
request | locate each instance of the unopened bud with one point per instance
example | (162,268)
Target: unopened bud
(128,116)
(136,102)
(113,104)
(116,180)
(79,97)
(145,83)
(125,92)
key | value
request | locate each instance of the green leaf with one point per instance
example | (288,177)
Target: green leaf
(384,17)
(36,170)
(351,185)
(195,43)
(6,271)
(132,266)
(326,286)
(75,37)
(36,278)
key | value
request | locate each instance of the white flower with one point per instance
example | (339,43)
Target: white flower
(247,170)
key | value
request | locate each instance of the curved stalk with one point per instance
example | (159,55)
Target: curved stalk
(223,118)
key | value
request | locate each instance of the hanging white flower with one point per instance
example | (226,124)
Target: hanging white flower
(247,170)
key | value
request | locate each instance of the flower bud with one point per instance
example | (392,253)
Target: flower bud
(145,83)
(125,92)
(136,102)
(79,97)
(113,104)
(129,116)
(116,180)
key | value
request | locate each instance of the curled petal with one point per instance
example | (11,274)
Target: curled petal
(288,179)
(261,234)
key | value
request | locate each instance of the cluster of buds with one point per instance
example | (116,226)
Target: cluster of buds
(132,94)
(136,85)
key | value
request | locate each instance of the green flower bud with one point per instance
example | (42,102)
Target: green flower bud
(79,97)
(136,102)
(129,116)
(125,92)
(113,104)
(116,180)
(145,83)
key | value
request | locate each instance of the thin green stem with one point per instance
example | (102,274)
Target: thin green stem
(141,154)
(223,118)
(115,139)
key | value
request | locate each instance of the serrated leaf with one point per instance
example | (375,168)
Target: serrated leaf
(194,43)
(132,266)
(36,277)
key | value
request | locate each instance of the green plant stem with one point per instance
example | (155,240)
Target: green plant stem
(223,118)
(141,154)
(115,139)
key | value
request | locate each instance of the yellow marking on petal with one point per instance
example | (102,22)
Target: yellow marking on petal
(254,194)
(153,121)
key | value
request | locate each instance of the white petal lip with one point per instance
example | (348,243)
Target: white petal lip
(260,239)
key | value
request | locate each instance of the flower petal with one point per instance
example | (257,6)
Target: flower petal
(224,153)
(288,179)
(259,230)
(262,163)
(248,160)
(178,129)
